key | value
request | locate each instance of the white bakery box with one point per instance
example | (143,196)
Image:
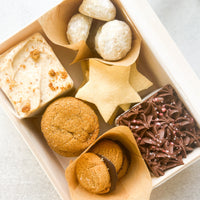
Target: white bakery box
(159,59)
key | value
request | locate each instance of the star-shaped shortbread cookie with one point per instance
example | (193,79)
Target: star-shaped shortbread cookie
(108,87)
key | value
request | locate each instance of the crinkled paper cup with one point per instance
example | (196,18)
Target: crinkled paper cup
(135,185)
(54,24)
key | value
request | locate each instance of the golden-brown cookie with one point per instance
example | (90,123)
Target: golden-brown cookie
(111,150)
(124,168)
(69,126)
(92,173)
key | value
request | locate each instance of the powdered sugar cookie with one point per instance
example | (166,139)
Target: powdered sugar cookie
(98,9)
(78,28)
(113,40)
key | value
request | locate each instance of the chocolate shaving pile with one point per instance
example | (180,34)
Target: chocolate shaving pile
(164,130)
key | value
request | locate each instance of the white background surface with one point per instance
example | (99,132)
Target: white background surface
(20,175)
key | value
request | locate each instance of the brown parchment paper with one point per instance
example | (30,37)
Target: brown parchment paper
(138,81)
(135,185)
(54,24)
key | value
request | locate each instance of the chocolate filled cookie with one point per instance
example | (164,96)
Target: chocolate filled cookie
(111,150)
(69,126)
(124,168)
(93,173)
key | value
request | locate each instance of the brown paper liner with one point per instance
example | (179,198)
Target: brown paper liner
(135,185)
(54,24)
(138,81)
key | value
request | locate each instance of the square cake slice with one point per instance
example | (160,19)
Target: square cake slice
(164,130)
(31,75)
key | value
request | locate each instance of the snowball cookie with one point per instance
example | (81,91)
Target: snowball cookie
(98,9)
(113,40)
(78,28)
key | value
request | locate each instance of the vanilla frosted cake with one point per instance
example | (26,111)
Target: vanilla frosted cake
(31,75)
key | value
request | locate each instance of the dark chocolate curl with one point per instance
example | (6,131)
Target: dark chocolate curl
(112,172)
(164,130)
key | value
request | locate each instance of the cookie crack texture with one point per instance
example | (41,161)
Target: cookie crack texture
(72,133)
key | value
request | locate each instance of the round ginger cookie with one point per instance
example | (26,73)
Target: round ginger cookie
(92,173)
(111,150)
(69,126)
